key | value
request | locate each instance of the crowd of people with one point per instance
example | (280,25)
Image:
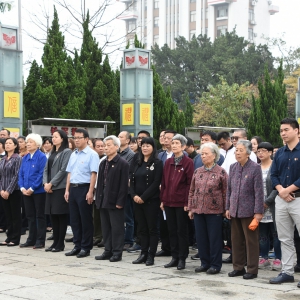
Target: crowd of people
(123,194)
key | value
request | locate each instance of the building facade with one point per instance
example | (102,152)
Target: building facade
(161,21)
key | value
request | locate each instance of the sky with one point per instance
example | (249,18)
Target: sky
(284,24)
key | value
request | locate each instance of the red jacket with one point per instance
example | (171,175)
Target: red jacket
(176,182)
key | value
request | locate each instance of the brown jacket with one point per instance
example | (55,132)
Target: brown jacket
(208,191)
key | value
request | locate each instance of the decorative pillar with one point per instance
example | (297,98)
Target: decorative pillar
(136,92)
(11,86)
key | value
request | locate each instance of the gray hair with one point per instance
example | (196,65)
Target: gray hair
(181,138)
(213,148)
(247,144)
(113,138)
(36,138)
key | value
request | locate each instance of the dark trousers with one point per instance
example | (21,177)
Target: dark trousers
(209,239)
(164,233)
(129,221)
(297,245)
(97,223)
(24,218)
(112,222)
(242,237)
(81,218)
(146,216)
(12,209)
(35,213)
(266,232)
(2,217)
(177,220)
(59,226)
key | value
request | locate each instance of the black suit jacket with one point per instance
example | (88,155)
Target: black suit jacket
(116,190)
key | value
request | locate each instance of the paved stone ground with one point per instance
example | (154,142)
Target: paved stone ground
(36,274)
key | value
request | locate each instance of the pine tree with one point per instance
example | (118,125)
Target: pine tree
(268,110)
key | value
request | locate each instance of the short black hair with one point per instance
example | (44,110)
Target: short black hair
(150,141)
(96,140)
(8,132)
(265,145)
(83,131)
(223,135)
(171,131)
(189,142)
(21,137)
(242,131)
(15,143)
(49,139)
(144,131)
(212,134)
(293,122)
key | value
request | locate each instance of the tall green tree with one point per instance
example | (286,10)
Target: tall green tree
(192,66)
(269,108)
(5,6)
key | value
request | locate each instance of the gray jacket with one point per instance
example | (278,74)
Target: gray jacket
(271,195)
(58,170)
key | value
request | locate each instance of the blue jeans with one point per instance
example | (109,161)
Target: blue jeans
(129,221)
(265,231)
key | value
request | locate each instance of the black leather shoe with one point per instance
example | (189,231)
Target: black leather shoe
(235,273)
(249,276)
(103,256)
(212,271)
(101,244)
(162,253)
(141,259)
(201,269)
(83,253)
(227,260)
(58,249)
(150,260)
(282,278)
(73,252)
(115,258)
(195,257)
(297,268)
(181,264)
(49,249)
(298,285)
(39,246)
(25,245)
(173,263)
(50,238)
(69,240)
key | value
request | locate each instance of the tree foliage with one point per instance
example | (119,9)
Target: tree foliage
(195,65)
(224,105)
(269,108)
(5,6)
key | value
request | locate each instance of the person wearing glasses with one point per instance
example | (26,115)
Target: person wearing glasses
(82,173)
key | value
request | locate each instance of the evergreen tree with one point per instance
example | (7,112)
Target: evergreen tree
(269,109)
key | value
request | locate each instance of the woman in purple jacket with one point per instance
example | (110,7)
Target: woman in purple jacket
(244,201)
(206,206)
(177,175)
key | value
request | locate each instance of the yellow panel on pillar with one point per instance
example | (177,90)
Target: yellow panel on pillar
(11,105)
(128,114)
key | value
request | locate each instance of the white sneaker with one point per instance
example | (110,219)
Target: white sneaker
(276,265)
(263,263)
(69,231)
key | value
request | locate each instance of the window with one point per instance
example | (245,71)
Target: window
(145,23)
(221,30)
(206,30)
(156,4)
(222,11)
(251,14)
(131,26)
(192,33)
(156,21)
(206,13)
(145,3)
(250,34)
(155,39)
(192,1)
(193,16)
(131,43)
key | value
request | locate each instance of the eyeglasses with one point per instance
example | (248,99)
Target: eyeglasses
(78,138)
(235,138)
(262,151)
